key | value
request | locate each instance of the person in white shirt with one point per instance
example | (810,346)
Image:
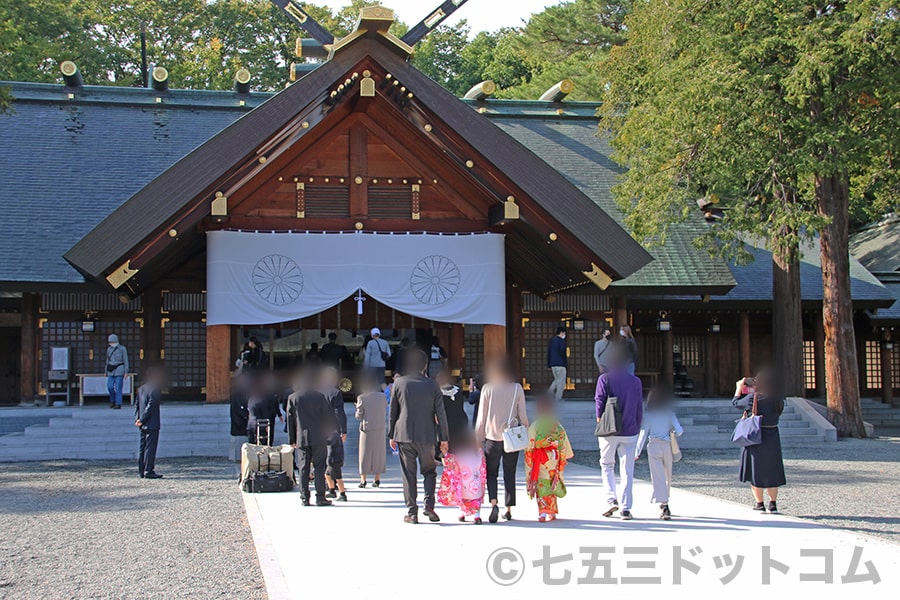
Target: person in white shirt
(603,351)
(657,427)
(377,353)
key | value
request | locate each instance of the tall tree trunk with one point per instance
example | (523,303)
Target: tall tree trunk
(787,317)
(841,368)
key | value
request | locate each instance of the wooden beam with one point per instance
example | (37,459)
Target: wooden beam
(819,337)
(456,352)
(30,343)
(514,320)
(887,383)
(218,359)
(710,364)
(620,312)
(359,172)
(152,331)
(668,373)
(348,224)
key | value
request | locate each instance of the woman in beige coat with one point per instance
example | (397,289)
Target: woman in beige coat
(500,397)
(371,412)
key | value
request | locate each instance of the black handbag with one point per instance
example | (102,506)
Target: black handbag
(270,481)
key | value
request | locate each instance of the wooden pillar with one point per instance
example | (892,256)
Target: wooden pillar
(819,354)
(887,384)
(218,360)
(709,365)
(152,333)
(514,320)
(271,348)
(744,342)
(668,360)
(29,350)
(494,342)
(620,313)
(359,167)
(456,352)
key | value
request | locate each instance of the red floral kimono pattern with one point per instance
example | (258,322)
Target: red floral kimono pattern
(545,461)
(463,482)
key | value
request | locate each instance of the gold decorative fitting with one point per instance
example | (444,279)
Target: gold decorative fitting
(553,237)
(388,76)
(219,206)
(348,82)
(342,180)
(598,277)
(427,127)
(367,73)
(118,277)
(72,96)
(173,233)
(355,76)
(470,164)
(434,181)
(301,185)
(280,178)
(311,179)
(367,87)
(326,180)
(242,76)
(410,95)
(510,199)
(374,181)
(262,159)
(358,226)
(68,68)
(358,180)
(241,102)
(415,188)
(158,100)
(405,182)
(482,109)
(305,124)
(390,181)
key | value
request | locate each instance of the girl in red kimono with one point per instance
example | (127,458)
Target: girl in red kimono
(463,479)
(545,459)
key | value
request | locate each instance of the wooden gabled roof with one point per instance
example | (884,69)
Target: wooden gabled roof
(147,232)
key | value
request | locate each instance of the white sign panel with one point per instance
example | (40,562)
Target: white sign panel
(265,278)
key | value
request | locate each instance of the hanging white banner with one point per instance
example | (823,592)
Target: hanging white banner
(265,278)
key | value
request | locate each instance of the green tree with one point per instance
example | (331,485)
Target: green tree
(775,107)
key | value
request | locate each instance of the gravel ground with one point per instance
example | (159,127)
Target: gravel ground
(851,484)
(94,529)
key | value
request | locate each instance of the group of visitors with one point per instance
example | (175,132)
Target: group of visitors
(421,414)
(558,355)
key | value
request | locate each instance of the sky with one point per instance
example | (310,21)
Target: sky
(480,14)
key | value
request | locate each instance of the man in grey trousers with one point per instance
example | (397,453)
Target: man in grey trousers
(416,404)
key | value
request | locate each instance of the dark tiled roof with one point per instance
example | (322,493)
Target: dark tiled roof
(877,246)
(573,147)
(891,315)
(754,282)
(67,164)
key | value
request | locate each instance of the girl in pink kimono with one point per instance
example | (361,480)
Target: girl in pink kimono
(463,479)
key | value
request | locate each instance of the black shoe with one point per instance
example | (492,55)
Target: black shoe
(141,474)
(760,507)
(304,501)
(343,497)
(478,520)
(495,514)
(613,507)
(462,519)
(773,508)
(112,404)
(331,494)
(152,475)
(507,516)
(323,502)
(411,519)
(377,483)
(665,515)
(626,515)
(117,406)
(362,484)
(432,516)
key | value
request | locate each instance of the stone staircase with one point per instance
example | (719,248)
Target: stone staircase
(876,412)
(102,433)
(707,423)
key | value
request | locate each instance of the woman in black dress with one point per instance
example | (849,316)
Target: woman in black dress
(455,407)
(762,465)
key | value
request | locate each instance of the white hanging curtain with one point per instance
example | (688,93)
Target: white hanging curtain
(265,278)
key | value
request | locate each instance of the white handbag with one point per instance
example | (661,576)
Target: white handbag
(515,438)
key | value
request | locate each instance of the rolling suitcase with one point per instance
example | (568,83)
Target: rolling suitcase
(266,468)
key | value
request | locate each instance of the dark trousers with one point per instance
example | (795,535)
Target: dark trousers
(493,456)
(312,456)
(147,456)
(409,455)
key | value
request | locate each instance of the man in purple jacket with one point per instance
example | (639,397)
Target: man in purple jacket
(619,383)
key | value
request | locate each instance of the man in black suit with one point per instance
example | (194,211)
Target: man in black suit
(146,418)
(416,405)
(311,423)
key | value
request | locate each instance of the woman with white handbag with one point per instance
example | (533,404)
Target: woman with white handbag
(502,426)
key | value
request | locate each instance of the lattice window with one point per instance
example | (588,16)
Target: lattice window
(650,352)
(873,364)
(327,201)
(88,350)
(185,354)
(473,343)
(895,367)
(809,364)
(691,350)
(390,202)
